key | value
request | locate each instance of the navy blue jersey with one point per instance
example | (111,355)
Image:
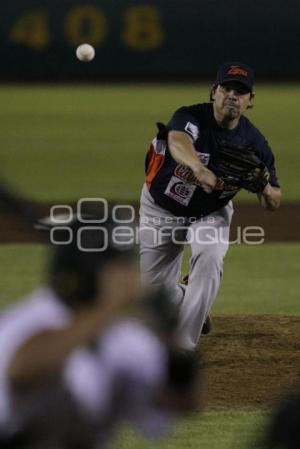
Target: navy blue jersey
(173,186)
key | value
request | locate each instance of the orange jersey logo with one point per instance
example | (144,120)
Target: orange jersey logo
(236,70)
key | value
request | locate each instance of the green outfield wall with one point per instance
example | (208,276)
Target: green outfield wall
(148,38)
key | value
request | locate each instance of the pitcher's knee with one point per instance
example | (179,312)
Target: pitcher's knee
(207,261)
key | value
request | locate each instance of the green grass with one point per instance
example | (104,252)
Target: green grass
(22,268)
(64,142)
(208,431)
(261,280)
(257,279)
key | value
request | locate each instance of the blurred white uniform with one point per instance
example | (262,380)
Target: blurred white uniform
(113,381)
(36,313)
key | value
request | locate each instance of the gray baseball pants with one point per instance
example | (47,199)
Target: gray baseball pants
(162,238)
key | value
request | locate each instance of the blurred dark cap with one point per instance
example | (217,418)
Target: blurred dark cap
(79,253)
(236,72)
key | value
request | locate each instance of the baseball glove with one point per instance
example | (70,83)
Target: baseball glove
(240,167)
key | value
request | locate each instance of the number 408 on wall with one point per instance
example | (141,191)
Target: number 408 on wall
(140,28)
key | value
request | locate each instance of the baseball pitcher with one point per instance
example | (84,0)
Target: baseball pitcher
(196,164)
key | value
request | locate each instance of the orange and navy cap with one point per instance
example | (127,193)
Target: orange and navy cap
(236,71)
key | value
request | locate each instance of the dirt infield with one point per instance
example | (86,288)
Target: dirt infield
(250,361)
(279,226)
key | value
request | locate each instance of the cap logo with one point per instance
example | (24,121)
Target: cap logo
(236,70)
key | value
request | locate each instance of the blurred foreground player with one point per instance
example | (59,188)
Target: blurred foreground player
(71,368)
(188,190)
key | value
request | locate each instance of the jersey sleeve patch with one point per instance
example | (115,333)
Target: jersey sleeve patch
(192,130)
(184,120)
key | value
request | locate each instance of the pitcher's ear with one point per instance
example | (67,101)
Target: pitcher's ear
(212,92)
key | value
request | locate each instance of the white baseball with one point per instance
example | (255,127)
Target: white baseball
(85,52)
